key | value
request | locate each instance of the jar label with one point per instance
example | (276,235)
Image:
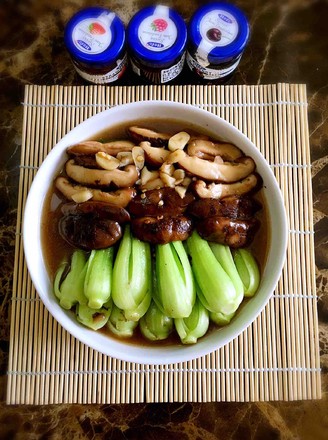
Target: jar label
(158,32)
(108,77)
(219,28)
(93,35)
(161,76)
(211,74)
(172,72)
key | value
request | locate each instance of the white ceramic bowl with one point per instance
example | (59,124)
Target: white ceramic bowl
(54,163)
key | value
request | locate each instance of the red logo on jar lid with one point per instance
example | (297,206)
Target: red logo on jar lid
(159,25)
(96,28)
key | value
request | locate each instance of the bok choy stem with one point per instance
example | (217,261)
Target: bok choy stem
(216,290)
(69,287)
(155,325)
(98,279)
(119,324)
(175,294)
(248,270)
(131,290)
(194,326)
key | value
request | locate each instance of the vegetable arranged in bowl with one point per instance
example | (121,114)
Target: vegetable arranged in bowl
(155,233)
(46,250)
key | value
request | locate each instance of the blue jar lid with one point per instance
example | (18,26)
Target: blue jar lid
(95,36)
(157,35)
(218,32)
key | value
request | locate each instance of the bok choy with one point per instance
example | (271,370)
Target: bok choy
(119,324)
(69,281)
(194,326)
(131,289)
(248,270)
(93,318)
(175,294)
(216,291)
(98,278)
(155,325)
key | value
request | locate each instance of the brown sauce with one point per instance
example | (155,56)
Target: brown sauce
(56,249)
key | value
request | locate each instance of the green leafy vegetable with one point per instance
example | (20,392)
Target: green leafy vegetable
(224,256)
(216,290)
(131,289)
(155,325)
(119,324)
(175,294)
(94,319)
(98,279)
(194,326)
(248,270)
(221,319)
(69,281)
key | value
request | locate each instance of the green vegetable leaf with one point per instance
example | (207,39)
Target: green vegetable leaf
(175,294)
(248,270)
(131,290)
(215,290)
(221,319)
(94,319)
(119,324)
(155,325)
(69,281)
(194,326)
(98,279)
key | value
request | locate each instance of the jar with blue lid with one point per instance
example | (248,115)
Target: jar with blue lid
(157,37)
(95,40)
(217,36)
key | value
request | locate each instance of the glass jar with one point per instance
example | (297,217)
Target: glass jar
(157,37)
(217,36)
(95,40)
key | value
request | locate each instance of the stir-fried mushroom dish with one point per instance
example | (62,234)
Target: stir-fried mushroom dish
(164,185)
(156,235)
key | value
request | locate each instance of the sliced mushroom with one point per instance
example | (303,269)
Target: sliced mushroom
(224,172)
(92,147)
(208,150)
(161,230)
(86,161)
(140,134)
(251,183)
(95,177)
(235,233)
(195,135)
(120,197)
(154,156)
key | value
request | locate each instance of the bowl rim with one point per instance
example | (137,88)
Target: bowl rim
(124,350)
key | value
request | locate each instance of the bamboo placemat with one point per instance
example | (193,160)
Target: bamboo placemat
(276,358)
